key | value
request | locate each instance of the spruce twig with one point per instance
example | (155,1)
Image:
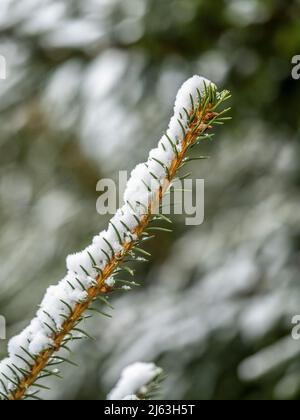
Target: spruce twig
(15,383)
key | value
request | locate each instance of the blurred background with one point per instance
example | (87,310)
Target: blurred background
(90,88)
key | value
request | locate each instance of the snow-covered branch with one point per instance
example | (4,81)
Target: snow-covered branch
(92,272)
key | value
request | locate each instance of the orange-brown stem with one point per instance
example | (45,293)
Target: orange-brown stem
(42,360)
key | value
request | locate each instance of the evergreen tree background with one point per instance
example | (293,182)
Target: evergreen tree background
(89,90)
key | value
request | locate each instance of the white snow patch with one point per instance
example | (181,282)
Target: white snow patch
(131,397)
(133,379)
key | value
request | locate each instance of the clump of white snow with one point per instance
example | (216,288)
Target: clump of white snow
(131,397)
(134,380)
(147,177)
(110,282)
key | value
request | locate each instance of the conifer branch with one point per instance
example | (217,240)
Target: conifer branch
(93,273)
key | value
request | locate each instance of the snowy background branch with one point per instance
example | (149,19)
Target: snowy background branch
(137,381)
